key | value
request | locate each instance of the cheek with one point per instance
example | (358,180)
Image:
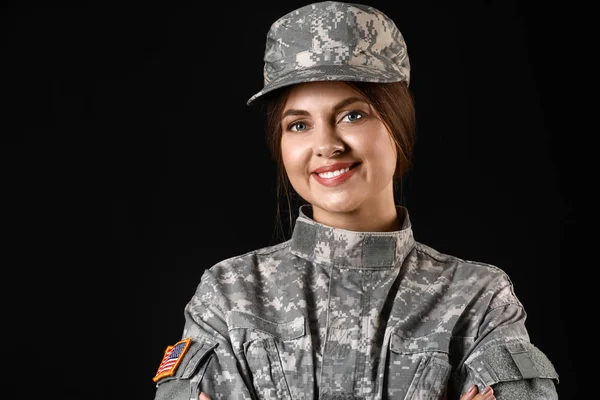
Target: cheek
(382,154)
(388,155)
(374,148)
(294,155)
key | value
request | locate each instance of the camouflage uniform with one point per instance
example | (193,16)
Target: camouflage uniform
(336,314)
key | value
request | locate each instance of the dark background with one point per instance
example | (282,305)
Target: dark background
(131,163)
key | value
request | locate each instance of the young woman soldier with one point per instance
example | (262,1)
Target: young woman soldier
(352,306)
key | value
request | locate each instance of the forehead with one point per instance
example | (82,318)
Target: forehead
(305,95)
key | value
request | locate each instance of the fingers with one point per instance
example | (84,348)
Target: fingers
(470,394)
(473,394)
(203,396)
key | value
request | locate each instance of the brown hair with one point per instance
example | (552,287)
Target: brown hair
(393,102)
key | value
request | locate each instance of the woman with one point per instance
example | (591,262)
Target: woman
(352,306)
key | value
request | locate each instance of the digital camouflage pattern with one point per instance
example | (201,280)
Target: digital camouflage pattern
(336,314)
(333,41)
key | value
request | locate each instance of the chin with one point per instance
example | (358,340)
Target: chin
(345,206)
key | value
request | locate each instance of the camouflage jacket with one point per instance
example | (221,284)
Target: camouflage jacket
(336,314)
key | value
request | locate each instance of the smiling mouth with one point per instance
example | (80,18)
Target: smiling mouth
(335,174)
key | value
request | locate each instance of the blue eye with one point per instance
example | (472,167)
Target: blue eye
(352,116)
(297,127)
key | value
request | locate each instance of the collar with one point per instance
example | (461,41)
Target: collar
(349,249)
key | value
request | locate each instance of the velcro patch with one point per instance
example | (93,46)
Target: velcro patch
(173,356)
(525,365)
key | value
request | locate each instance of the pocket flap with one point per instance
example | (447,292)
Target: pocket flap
(287,330)
(511,361)
(203,350)
(409,345)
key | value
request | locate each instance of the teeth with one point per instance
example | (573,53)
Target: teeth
(334,173)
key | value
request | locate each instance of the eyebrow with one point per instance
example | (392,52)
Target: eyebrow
(335,108)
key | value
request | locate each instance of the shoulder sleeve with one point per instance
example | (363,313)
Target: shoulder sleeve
(209,364)
(177,378)
(504,357)
(526,389)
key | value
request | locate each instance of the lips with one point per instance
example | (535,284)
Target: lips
(339,179)
(335,167)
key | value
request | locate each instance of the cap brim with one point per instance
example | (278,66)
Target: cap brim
(353,73)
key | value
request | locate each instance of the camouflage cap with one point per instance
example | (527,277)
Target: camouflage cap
(336,41)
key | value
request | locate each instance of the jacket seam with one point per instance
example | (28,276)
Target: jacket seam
(508,303)
(262,251)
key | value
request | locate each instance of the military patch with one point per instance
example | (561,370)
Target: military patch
(173,356)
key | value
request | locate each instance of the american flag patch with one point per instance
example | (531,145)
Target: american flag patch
(173,356)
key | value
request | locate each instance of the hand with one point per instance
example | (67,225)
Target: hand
(204,396)
(472,394)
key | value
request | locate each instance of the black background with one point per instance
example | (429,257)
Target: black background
(131,163)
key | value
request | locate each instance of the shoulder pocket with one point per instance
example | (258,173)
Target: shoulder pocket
(510,362)
(198,352)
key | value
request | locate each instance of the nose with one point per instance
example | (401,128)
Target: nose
(327,141)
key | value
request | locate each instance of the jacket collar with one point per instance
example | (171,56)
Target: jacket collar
(342,248)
